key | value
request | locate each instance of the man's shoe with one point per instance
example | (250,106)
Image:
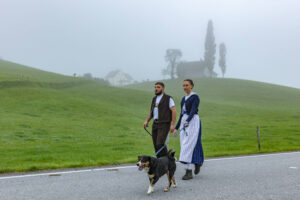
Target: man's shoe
(188,175)
(197,168)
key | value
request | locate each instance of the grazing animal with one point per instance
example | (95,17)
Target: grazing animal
(157,167)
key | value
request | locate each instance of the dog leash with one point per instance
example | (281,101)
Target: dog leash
(147,131)
(179,131)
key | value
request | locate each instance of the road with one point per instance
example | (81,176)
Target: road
(268,176)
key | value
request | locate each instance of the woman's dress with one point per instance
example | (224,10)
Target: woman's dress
(190,138)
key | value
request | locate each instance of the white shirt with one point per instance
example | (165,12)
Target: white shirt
(158,98)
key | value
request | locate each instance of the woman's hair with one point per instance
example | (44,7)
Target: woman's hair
(190,81)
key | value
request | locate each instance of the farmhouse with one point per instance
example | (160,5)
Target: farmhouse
(193,69)
(118,78)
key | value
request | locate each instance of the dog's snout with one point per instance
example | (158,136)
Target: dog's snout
(138,164)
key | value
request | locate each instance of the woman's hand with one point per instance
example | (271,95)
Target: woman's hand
(186,124)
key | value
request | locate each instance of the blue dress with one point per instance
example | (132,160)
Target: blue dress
(191,150)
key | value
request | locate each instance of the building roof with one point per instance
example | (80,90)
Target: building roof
(193,69)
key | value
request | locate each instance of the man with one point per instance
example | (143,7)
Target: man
(164,115)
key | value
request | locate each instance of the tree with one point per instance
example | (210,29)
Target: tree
(210,48)
(172,57)
(222,58)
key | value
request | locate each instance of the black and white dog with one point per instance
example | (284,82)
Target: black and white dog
(157,167)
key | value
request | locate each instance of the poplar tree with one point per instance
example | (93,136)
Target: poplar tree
(210,48)
(222,58)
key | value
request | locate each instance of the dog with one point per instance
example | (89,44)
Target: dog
(157,167)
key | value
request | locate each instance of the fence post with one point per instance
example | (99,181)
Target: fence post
(258,137)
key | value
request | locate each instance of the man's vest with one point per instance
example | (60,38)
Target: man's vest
(164,111)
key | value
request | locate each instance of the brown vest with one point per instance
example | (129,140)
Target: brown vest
(164,111)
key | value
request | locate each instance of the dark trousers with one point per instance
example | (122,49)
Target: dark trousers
(159,135)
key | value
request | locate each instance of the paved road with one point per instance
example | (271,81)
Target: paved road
(273,176)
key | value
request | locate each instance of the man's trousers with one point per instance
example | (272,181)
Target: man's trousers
(160,132)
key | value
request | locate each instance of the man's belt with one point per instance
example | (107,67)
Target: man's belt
(156,121)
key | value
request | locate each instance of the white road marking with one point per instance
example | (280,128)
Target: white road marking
(132,166)
(293,167)
(252,156)
(64,172)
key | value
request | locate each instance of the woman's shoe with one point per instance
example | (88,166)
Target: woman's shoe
(188,175)
(197,168)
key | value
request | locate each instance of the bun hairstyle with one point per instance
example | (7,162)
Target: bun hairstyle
(190,81)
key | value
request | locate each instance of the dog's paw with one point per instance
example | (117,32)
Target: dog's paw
(167,189)
(174,185)
(150,190)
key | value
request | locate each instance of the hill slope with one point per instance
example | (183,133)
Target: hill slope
(52,121)
(59,121)
(230,110)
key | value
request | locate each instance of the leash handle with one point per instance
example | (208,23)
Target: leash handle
(179,131)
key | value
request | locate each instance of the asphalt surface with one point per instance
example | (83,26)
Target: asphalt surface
(272,176)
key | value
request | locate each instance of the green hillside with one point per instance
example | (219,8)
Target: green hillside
(51,121)
(54,121)
(15,72)
(230,110)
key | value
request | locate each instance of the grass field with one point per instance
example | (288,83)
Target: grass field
(52,121)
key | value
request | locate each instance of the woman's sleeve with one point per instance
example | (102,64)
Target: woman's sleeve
(194,110)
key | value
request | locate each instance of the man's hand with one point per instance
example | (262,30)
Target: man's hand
(172,128)
(146,124)
(174,132)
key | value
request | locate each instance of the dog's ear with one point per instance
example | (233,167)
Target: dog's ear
(139,157)
(152,161)
(172,153)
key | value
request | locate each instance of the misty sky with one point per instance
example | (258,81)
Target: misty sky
(97,36)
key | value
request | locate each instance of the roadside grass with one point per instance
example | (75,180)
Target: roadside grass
(57,121)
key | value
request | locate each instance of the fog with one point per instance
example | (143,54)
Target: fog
(262,36)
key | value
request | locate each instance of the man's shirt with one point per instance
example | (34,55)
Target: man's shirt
(155,110)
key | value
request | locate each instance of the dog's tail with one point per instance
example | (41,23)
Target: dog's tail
(171,154)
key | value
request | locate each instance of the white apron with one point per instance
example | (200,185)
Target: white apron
(188,138)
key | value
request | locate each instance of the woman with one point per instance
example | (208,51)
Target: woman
(191,151)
